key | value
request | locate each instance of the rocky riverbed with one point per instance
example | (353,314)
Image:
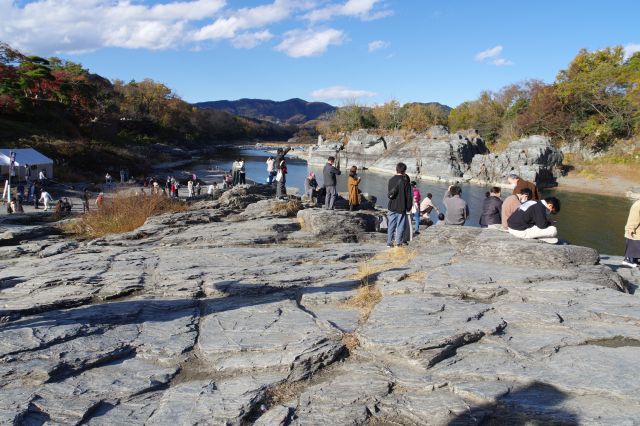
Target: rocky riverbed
(242,311)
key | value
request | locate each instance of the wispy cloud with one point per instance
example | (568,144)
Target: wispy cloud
(251,40)
(501,62)
(489,53)
(304,43)
(340,93)
(377,45)
(630,49)
(494,52)
(362,9)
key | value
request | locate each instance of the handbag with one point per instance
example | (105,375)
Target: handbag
(279,176)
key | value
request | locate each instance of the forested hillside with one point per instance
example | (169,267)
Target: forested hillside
(85,121)
(291,111)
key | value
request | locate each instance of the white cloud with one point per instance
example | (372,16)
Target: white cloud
(501,62)
(251,40)
(630,49)
(304,43)
(489,53)
(362,9)
(53,26)
(248,18)
(340,92)
(377,45)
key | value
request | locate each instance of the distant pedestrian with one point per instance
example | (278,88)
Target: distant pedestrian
(210,192)
(37,191)
(42,176)
(100,200)
(108,179)
(122,175)
(329,174)
(190,188)
(198,188)
(235,172)
(457,210)
(415,209)
(46,198)
(85,201)
(242,178)
(352,185)
(281,179)
(400,200)
(492,210)
(27,173)
(632,237)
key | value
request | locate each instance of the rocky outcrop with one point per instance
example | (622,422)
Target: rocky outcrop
(533,158)
(235,313)
(439,155)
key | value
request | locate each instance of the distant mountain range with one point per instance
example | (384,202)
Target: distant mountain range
(291,111)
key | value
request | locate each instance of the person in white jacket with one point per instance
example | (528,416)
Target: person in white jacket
(46,198)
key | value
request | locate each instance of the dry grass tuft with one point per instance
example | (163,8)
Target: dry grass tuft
(350,341)
(122,213)
(285,392)
(419,276)
(368,294)
(290,207)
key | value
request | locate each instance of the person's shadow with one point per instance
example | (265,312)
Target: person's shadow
(536,404)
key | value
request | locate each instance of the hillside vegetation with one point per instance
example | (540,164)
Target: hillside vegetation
(89,123)
(594,102)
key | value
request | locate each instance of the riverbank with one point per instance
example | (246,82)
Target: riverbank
(605,181)
(241,311)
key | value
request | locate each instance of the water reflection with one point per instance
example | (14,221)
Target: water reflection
(585,219)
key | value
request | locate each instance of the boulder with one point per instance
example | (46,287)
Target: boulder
(533,158)
(337,225)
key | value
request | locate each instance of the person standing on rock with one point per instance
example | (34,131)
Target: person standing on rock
(46,198)
(235,170)
(457,210)
(354,192)
(270,170)
(242,172)
(281,179)
(632,236)
(190,188)
(520,184)
(85,201)
(530,220)
(492,210)
(310,186)
(329,174)
(400,200)
(415,209)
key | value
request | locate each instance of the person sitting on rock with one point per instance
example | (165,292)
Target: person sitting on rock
(491,210)
(511,204)
(530,220)
(440,221)
(427,206)
(520,184)
(310,186)
(457,210)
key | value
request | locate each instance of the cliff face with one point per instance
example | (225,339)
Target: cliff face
(439,155)
(236,312)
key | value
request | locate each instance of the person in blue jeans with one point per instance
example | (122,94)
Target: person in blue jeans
(400,201)
(416,206)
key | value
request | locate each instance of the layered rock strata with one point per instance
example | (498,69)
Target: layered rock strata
(239,311)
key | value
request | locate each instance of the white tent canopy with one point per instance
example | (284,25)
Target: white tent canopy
(29,156)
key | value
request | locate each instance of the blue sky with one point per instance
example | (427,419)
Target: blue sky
(328,50)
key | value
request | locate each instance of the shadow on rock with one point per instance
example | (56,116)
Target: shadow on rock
(536,404)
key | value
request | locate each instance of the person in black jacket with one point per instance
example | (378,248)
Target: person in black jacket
(491,208)
(329,174)
(530,220)
(400,202)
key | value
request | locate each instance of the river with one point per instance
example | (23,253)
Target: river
(585,219)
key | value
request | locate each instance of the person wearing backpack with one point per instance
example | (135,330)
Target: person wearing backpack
(400,202)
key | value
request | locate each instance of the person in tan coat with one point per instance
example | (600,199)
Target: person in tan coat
(352,185)
(632,235)
(520,184)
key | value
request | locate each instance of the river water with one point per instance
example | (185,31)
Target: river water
(585,219)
